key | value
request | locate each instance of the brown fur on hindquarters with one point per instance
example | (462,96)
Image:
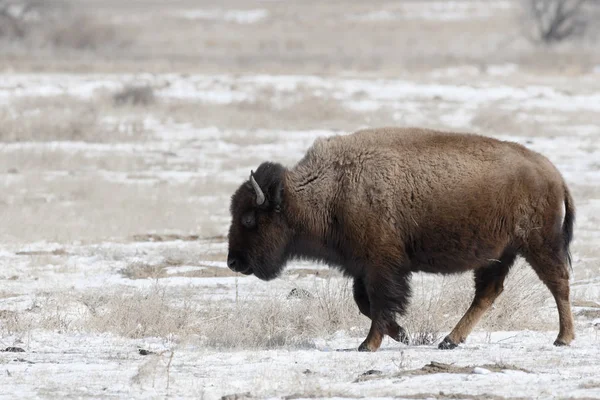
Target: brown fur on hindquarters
(380,204)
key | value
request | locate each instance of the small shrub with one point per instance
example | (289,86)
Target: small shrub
(135,95)
(552,21)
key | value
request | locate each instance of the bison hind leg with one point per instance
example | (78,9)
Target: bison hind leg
(552,268)
(489,284)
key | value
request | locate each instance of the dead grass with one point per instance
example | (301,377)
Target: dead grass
(285,320)
(280,321)
(439,302)
(434,303)
(142,270)
(525,303)
(442,368)
(60,26)
(139,313)
(589,314)
(80,32)
(88,207)
(50,119)
(162,237)
(62,118)
(161,312)
(495,119)
(135,95)
(301,110)
(590,384)
(123,35)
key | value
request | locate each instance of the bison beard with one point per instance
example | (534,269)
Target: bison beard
(381,204)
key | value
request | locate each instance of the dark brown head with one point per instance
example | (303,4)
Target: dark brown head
(259,234)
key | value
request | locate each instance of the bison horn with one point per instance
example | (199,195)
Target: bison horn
(260,196)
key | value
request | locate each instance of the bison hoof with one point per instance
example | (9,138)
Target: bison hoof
(365,347)
(560,343)
(401,336)
(447,344)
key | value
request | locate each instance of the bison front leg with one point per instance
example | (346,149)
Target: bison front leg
(361,298)
(387,295)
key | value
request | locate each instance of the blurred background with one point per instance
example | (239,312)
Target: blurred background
(120,118)
(277,36)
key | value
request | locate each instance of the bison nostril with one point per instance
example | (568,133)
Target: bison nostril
(231,263)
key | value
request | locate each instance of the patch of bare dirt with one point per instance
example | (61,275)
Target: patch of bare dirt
(435,367)
(164,237)
(462,396)
(208,271)
(589,313)
(590,385)
(157,271)
(56,252)
(214,257)
(304,272)
(586,303)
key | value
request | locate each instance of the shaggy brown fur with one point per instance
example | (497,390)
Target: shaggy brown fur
(382,203)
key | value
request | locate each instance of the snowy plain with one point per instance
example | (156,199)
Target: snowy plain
(47,285)
(113,218)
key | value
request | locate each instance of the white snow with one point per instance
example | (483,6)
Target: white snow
(100,365)
(236,16)
(104,366)
(437,11)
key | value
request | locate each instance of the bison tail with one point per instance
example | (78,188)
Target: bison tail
(567,228)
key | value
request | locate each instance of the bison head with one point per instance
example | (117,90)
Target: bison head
(259,233)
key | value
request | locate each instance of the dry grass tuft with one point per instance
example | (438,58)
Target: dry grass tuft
(12,322)
(435,302)
(142,270)
(139,314)
(522,304)
(282,322)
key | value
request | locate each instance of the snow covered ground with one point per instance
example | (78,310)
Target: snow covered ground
(113,217)
(81,309)
(505,365)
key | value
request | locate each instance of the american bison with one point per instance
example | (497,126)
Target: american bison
(380,204)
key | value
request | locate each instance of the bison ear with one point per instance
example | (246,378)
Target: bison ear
(277,196)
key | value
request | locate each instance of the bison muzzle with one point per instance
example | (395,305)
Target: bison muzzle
(380,204)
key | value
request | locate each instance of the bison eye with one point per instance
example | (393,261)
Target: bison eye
(248,220)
